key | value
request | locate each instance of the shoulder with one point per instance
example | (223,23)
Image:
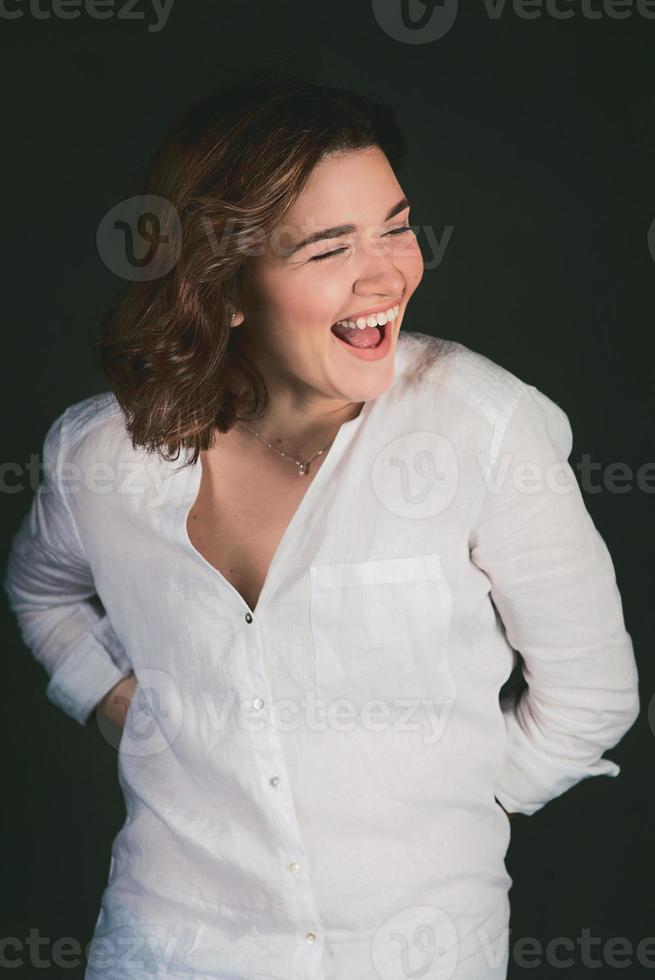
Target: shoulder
(92,428)
(444,365)
(473,388)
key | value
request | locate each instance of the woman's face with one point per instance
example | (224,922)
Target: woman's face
(293,296)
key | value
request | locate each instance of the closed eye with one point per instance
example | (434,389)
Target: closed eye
(337,251)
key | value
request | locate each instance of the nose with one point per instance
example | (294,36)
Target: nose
(380,277)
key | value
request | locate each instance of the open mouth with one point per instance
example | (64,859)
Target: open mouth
(366,339)
(367,336)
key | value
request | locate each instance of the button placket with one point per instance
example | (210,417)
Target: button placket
(301,894)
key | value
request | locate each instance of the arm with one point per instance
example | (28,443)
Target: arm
(51,591)
(553,584)
(116,701)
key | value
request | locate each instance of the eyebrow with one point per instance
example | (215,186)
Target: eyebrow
(341,229)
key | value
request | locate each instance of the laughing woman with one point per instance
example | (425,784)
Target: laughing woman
(310,617)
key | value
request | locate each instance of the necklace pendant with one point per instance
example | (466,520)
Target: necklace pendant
(303,469)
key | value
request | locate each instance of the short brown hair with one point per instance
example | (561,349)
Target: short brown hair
(237,160)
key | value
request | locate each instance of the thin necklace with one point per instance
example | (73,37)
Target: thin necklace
(302,464)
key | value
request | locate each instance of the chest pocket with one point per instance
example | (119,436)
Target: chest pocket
(380,630)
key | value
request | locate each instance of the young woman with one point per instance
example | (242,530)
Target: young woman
(311,618)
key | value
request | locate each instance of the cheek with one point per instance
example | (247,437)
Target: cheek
(305,301)
(309,309)
(412,266)
(323,294)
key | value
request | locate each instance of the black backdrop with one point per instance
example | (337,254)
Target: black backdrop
(532,157)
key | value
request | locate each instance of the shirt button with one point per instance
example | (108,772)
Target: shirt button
(294,866)
(310,937)
(258,703)
(249,617)
(275,781)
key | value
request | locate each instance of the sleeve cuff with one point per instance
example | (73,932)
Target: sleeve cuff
(83,679)
(530,779)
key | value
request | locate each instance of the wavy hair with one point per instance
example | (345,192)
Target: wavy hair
(227,172)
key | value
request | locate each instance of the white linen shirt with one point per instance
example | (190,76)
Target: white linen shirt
(311,786)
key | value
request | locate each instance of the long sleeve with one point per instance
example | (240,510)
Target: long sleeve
(554,588)
(51,591)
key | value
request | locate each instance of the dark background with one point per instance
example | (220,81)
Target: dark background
(533,139)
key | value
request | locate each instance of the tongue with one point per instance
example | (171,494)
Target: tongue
(368,337)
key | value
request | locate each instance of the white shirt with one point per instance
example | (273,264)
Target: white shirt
(266,838)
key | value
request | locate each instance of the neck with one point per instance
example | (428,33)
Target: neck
(303,434)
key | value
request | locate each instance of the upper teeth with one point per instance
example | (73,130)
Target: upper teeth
(372,320)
